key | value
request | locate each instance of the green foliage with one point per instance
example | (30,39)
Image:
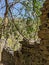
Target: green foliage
(26,27)
(0,20)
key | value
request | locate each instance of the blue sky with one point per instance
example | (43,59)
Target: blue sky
(2,10)
(14,11)
(17,6)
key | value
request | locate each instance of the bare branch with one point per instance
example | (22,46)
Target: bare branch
(13,3)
